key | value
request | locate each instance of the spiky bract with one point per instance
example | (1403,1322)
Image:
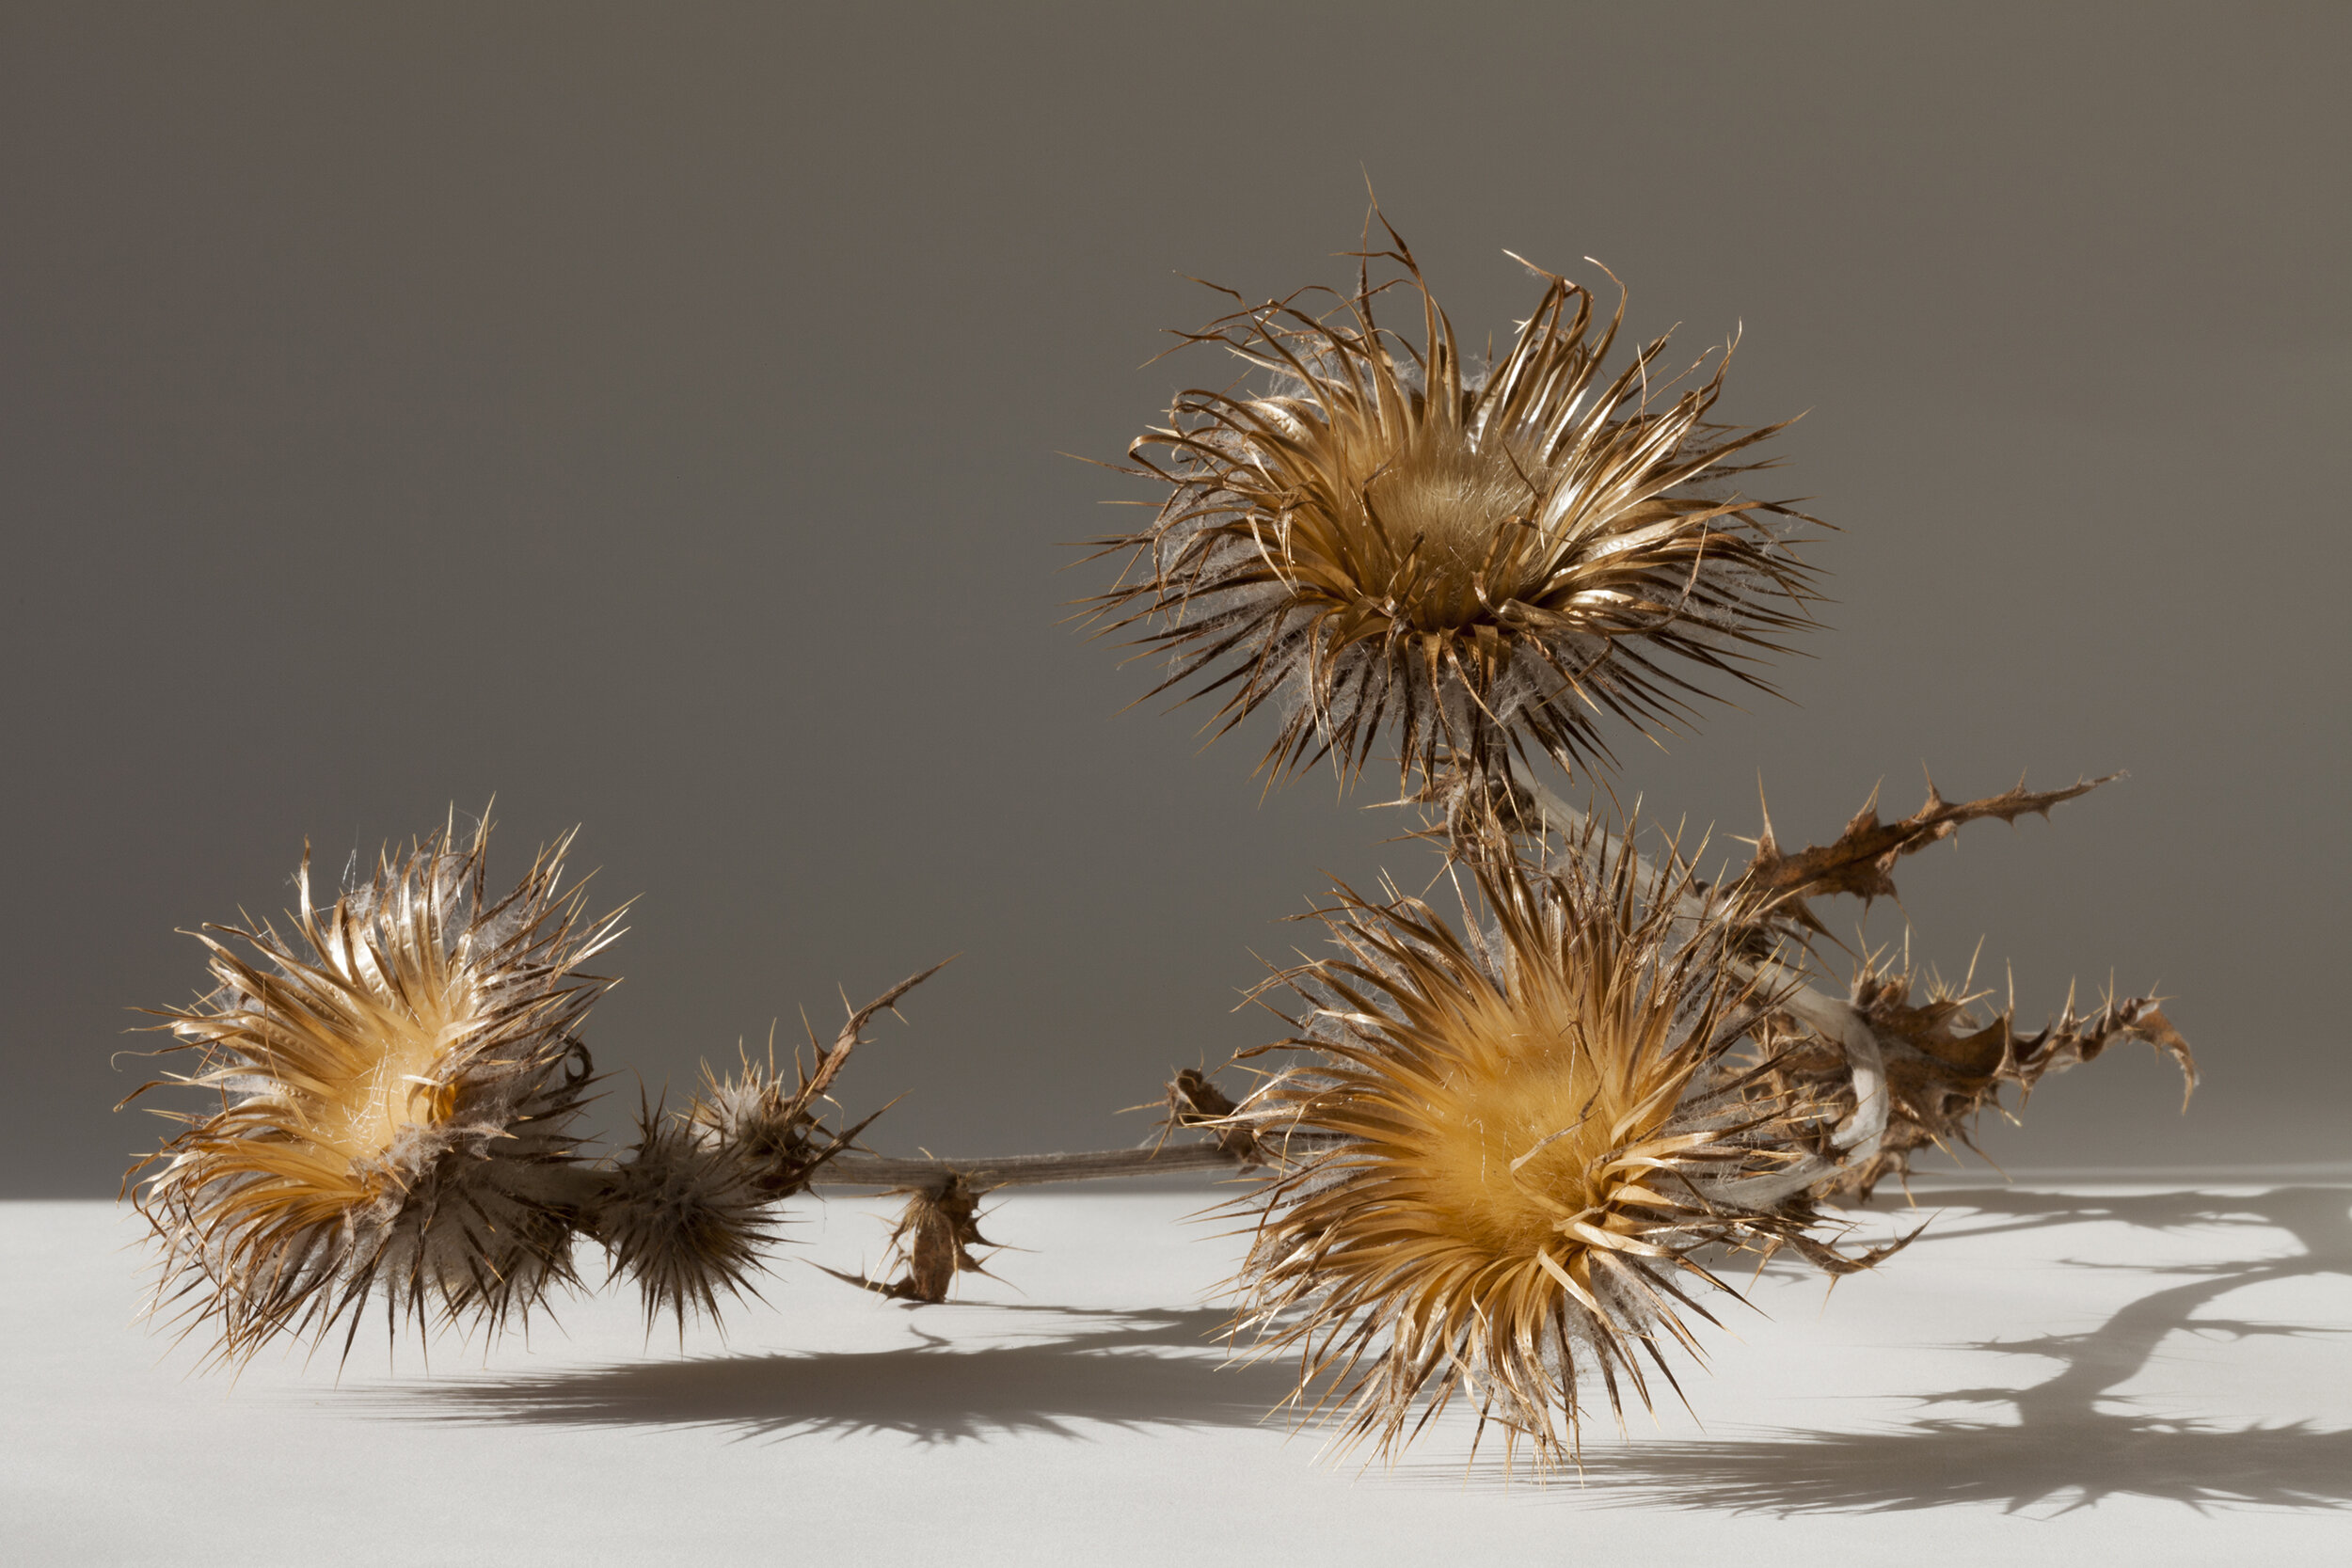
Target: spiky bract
(687,1215)
(1518,1139)
(685,1218)
(397,1088)
(1490,559)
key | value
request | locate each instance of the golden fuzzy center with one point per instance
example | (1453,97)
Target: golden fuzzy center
(1445,514)
(1514,1129)
(393,1060)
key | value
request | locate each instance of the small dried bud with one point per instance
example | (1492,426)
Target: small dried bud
(684,1219)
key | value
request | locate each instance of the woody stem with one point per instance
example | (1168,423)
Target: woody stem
(1021,1170)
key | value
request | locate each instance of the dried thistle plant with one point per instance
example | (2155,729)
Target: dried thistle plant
(1518,1139)
(1516,1136)
(1945,1060)
(397,1086)
(1491,558)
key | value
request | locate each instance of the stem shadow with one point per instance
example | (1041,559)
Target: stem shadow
(2061,1449)
(1132,1371)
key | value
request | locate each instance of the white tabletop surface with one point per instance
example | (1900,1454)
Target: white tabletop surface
(2157,1374)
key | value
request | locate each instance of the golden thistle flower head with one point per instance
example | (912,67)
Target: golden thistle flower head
(1514,1143)
(1490,558)
(396,1084)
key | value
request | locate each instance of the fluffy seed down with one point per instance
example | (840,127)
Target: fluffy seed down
(1512,1146)
(1490,559)
(397,1086)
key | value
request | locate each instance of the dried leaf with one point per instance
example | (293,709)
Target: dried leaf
(1862,859)
(934,1239)
(1947,1064)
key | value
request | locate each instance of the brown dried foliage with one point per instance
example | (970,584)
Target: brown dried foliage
(1862,858)
(1947,1062)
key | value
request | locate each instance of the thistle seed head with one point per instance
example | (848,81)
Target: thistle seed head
(1492,558)
(685,1218)
(397,1085)
(1518,1139)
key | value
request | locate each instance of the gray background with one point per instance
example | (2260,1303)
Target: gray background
(651,415)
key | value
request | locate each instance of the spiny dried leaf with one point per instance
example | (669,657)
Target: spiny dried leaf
(1862,859)
(1491,559)
(1946,1062)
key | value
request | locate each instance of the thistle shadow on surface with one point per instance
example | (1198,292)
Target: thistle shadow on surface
(2062,1451)
(1132,1370)
(1138,1370)
(1940,1463)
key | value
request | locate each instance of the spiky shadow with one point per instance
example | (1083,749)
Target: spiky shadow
(2061,1452)
(1131,1371)
(1939,1464)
